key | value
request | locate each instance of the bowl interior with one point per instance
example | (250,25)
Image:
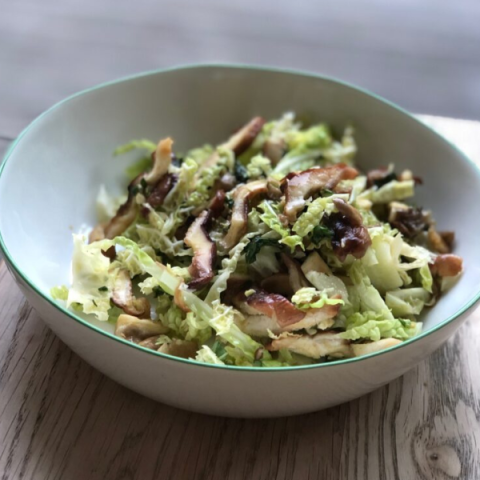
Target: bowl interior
(52,176)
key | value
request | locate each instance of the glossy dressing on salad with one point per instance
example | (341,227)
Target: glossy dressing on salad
(272,249)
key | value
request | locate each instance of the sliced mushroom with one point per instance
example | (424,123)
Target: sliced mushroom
(238,142)
(274,149)
(204,252)
(349,234)
(243,138)
(127,213)
(296,276)
(134,329)
(217,204)
(299,186)
(360,349)
(407,220)
(274,306)
(179,348)
(161,161)
(122,296)
(318,346)
(161,189)
(447,265)
(268,311)
(242,196)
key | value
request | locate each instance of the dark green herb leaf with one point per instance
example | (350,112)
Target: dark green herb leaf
(229,202)
(103,289)
(257,363)
(157,291)
(255,245)
(320,232)
(326,192)
(386,179)
(240,172)
(143,184)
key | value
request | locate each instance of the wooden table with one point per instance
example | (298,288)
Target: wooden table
(61,419)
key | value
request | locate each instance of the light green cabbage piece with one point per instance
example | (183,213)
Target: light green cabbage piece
(363,295)
(204,183)
(179,193)
(295,161)
(141,262)
(308,297)
(259,166)
(266,263)
(374,326)
(270,218)
(382,261)
(159,234)
(426,278)
(342,152)
(206,355)
(59,293)
(407,301)
(200,154)
(229,265)
(316,137)
(322,281)
(308,220)
(221,318)
(90,276)
(391,191)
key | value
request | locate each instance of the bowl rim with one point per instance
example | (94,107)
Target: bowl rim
(233,66)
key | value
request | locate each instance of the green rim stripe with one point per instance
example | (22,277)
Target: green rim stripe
(85,323)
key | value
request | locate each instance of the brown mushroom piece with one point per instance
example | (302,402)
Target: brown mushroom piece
(136,329)
(161,189)
(238,142)
(268,311)
(299,186)
(127,213)
(242,196)
(122,296)
(407,220)
(161,162)
(436,242)
(179,348)
(317,346)
(349,234)
(204,251)
(447,265)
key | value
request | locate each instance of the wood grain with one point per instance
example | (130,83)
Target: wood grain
(61,419)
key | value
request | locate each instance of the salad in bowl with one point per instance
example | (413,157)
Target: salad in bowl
(271,249)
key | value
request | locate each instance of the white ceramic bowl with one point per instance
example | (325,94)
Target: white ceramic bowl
(52,173)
